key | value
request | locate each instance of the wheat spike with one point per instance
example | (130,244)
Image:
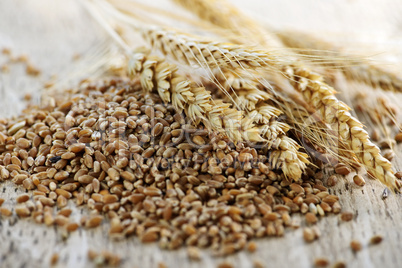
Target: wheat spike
(354,69)
(334,112)
(316,136)
(350,129)
(257,126)
(210,55)
(185,95)
(289,158)
(284,151)
(195,51)
(262,116)
(241,87)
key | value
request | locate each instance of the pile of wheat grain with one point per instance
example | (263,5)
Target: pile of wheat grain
(117,149)
(214,145)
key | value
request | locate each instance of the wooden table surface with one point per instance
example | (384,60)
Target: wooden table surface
(33,28)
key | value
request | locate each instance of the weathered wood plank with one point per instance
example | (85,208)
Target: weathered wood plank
(26,244)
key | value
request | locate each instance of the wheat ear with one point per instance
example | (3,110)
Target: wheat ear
(353,69)
(334,112)
(311,131)
(195,51)
(221,13)
(241,87)
(156,74)
(248,97)
(208,54)
(315,91)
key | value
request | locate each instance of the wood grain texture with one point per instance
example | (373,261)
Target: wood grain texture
(51,32)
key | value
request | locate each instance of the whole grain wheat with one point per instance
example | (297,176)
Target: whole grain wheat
(131,176)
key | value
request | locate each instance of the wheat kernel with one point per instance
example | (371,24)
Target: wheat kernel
(355,245)
(321,262)
(5,212)
(225,265)
(309,235)
(258,264)
(194,253)
(22,198)
(72,226)
(377,239)
(76,147)
(342,169)
(398,137)
(54,259)
(346,216)
(332,180)
(93,221)
(339,264)
(359,180)
(311,218)
(22,211)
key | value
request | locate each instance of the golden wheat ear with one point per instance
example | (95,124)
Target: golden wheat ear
(240,87)
(332,111)
(312,133)
(350,129)
(263,117)
(158,75)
